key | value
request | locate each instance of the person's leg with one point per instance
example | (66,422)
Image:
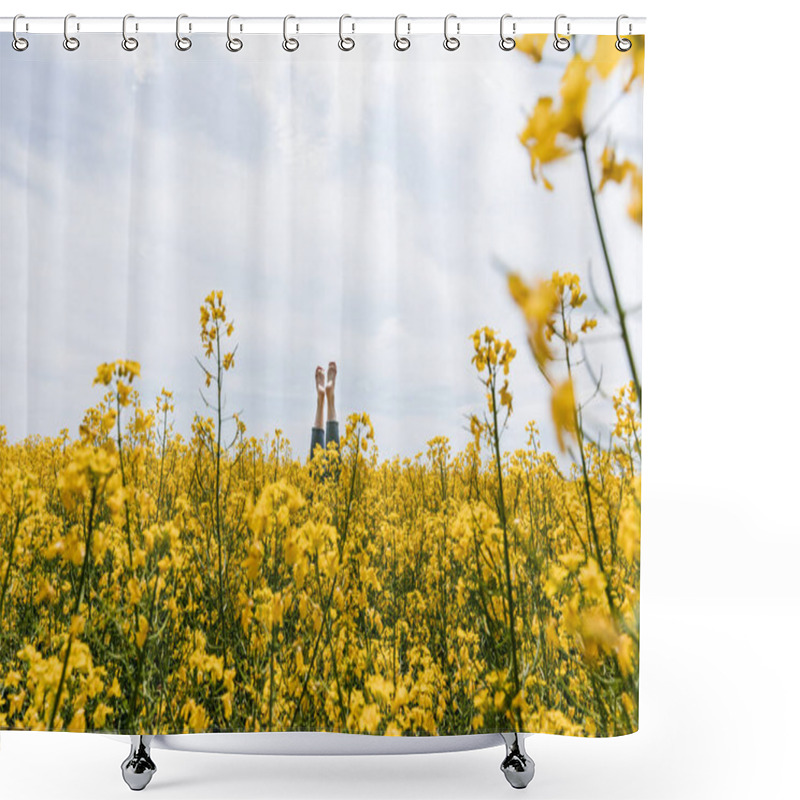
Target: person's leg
(332,423)
(317,431)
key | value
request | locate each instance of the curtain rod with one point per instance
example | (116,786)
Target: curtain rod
(461,26)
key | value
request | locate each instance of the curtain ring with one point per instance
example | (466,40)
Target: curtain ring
(233,44)
(560,43)
(401,43)
(451,42)
(128,42)
(507,42)
(70,42)
(623,45)
(346,43)
(289,44)
(183,43)
(18,43)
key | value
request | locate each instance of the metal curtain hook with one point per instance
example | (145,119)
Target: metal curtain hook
(70,42)
(181,42)
(451,42)
(401,42)
(290,44)
(346,42)
(507,42)
(128,42)
(560,43)
(233,44)
(623,45)
(18,43)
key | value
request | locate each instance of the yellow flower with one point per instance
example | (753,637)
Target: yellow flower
(628,534)
(574,91)
(77,625)
(592,580)
(606,58)
(616,172)
(626,651)
(227,705)
(195,715)
(539,137)
(556,576)
(252,563)
(532,44)
(613,170)
(143,630)
(100,713)
(635,205)
(505,396)
(563,410)
(108,419)
(105,372)
(369,719)
(78,722)
(538,304)
(134,588)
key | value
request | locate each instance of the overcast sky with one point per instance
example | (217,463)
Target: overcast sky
(351,206)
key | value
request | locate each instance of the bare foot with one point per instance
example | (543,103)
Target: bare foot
(330,386)
(319,379)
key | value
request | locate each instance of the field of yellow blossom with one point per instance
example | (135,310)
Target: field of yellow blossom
(155,584)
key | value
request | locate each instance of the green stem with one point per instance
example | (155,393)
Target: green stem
(503,522)
(122,476)
(7,576)
(78,600)
(612,280)
(333,585)
(217,520)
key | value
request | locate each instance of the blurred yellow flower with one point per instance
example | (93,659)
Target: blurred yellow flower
(563,411)
(532,44)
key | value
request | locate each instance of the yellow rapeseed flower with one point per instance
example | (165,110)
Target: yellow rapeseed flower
(563,411)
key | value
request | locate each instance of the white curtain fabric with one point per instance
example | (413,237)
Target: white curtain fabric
(460,232)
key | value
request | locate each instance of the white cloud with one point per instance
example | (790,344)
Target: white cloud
(351,209)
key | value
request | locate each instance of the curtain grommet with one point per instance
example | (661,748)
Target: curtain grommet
(561,43)
(182,43)
(451,43)
(289,44)
(346,43)
(507,42)
(18,42)
(129,43)
(233,44)
(401,43)
(70,43)
(622,44)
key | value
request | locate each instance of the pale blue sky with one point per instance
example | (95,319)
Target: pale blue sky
(350,205)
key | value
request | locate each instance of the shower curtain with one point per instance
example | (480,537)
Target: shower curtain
(320,385)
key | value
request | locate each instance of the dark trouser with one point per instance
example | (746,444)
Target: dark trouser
(324,438)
